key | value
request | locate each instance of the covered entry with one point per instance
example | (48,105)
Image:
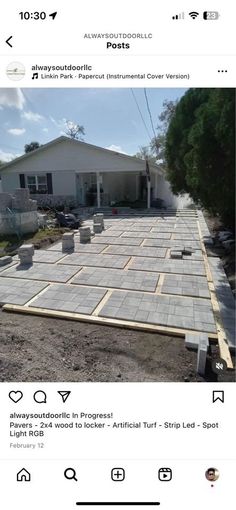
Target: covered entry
(107,188)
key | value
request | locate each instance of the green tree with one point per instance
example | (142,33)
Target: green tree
(32,146)
(200,148)
(158,143)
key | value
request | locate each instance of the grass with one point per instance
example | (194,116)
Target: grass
(11,243)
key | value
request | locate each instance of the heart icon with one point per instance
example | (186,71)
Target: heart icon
(15,396)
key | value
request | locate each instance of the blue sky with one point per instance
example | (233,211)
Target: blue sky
(110,116)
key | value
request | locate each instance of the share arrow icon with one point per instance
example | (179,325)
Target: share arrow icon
(53,15)
(64,395)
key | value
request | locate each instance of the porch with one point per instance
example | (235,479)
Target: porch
(102,189)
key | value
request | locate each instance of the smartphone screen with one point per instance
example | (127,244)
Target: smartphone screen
(117,255)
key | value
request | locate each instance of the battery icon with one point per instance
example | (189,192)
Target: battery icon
(211,15)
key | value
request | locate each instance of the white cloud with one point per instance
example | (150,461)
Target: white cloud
(45,130)
(16,131)
(115,148)
(7,156)
(60,124)
(31,116)
(63,124)
(12,98)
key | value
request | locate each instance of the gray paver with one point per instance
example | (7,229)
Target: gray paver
(116,278)
(111,233)
(131,228)
(43,271)
(115,261)
(70,298)
(117,240)
(181,317)
(170,243)
(3,268)
(140,251)
(5,261)
(16,292)
(45,256)
(186,285)
(188,237)
(168,266)
(81,248)
(148,235)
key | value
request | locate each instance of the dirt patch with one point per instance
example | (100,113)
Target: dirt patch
(45,349)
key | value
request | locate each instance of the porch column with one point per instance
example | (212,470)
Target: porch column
(137,177)
(156,185)
(98,190)
(148,194)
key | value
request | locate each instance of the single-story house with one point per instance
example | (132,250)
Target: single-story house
(67,171)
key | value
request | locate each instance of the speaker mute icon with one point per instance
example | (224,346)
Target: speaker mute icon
(178,16)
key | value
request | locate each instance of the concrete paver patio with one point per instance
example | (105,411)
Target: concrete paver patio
(125,275)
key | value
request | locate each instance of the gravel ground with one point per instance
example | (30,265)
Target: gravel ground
(46,349)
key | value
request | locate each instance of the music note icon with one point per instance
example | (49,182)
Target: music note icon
(35,76)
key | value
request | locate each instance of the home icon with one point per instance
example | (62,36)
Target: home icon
(23,476)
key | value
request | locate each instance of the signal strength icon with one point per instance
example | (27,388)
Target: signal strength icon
(178,16)
(194,14)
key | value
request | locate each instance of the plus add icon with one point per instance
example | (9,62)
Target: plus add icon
(117,474)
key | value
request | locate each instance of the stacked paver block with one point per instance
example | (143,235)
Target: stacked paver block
(42,219)
(21,200)
(175,254)
(5,201)
(85,234)
(188,250)
(202,354)
(206,236)
(68,242)
(97,228)
(5,260)
(192,341)
(25,253)
(98,223)
(100,217)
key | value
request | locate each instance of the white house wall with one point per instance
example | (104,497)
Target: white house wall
(10,181)
(163,191)
(67,155)
(65,158)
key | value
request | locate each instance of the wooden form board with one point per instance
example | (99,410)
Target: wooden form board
(164,330)
(222,340)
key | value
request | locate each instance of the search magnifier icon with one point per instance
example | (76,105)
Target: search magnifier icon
(70,474)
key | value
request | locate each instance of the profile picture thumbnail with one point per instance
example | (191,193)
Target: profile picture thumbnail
(212,474)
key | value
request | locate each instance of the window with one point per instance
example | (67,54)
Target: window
(37,183)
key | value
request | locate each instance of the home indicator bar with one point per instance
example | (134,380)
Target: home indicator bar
(120,503)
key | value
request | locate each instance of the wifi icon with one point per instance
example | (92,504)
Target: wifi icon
(194,14)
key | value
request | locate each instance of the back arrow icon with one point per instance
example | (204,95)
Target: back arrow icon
(7,41)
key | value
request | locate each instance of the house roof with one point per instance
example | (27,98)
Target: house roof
(70,140)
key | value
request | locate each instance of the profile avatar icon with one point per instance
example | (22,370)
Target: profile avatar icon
(212,474)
